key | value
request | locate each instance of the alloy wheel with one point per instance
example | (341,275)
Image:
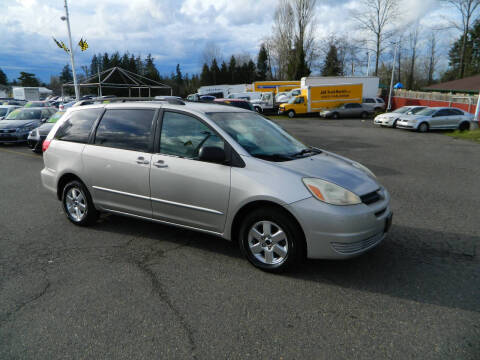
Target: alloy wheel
(268,243)
(76,204)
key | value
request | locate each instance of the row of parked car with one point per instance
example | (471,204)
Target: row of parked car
(424,118)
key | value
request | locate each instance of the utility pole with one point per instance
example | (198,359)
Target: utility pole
(72,59)
(368,63)
(99,80)
(391,80)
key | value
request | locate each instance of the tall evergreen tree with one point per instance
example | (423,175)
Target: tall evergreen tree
(151,71)
(223,77)
(95,64)
(251,72)
(215,71)
(66,74)
(28,79)
(332,65)
(178,76)
(301,67)
(3,78)
(262,63)
(206,76)
(105,62)
(232,69)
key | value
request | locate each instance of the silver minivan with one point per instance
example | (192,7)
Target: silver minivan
(221,170)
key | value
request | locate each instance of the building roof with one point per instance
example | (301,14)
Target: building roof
(468,84)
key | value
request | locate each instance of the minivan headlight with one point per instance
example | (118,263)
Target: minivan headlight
(330,193)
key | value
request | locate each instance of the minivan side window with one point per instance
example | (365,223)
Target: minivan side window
(127,129)
(78,126)
(184,135)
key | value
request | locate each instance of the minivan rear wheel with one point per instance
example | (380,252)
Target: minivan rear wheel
(77,204)
(423,127)
(271,240)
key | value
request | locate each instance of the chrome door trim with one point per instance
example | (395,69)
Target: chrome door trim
(121,193)
(188,206)
(199,208)
(162,222)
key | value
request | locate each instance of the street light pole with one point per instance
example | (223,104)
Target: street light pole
(389,107)
(72,59)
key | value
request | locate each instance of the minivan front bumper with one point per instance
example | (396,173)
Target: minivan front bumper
(340,232)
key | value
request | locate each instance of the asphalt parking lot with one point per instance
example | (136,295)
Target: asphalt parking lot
(128,289)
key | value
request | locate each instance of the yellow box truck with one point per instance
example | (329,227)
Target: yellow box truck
(275,86)
(314,99)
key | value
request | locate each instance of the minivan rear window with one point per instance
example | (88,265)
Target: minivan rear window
(126,129)
(78,126)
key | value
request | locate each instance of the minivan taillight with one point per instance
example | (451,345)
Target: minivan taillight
(45,145)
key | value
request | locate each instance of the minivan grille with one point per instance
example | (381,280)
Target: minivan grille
(370,198)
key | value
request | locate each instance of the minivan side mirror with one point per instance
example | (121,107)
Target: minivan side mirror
(212,154)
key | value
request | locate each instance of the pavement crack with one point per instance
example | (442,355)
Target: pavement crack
(34,298)
(159,289)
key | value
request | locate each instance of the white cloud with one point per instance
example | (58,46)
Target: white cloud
(174,31)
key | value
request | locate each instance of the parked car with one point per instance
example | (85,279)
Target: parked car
(216,169)
(390,119)
(65,106)
(16,126)
(436,118)
(13,102)
(376,104)
(37,136)
(7,109)
(36,104)
(244,104)
(348,110)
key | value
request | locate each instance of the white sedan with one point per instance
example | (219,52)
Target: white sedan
(390,119)
(436,118)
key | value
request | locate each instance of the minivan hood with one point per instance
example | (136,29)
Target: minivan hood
(12,124)
(336,169)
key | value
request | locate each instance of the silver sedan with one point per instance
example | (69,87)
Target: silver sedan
(436,118)
(390,119)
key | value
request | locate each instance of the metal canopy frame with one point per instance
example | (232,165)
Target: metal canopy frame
(130,81)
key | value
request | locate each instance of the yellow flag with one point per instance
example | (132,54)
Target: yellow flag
(83,44)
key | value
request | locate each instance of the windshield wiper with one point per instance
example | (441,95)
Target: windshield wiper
(273,157)
(307,151)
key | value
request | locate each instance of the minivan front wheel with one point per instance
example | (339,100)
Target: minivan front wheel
(271,240)
(77,204)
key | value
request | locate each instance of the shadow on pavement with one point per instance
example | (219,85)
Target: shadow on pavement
(415,264)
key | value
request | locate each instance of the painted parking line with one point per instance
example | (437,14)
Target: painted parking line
(20,153)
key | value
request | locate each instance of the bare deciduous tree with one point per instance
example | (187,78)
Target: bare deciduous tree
(432,57)
(375,16)
(210,52)
(467,10)
(293,30)
(413,42)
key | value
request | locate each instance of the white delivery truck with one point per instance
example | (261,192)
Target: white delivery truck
(222,91)
(26,93)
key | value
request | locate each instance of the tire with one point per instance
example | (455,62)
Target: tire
(364,115)
(464,126)
(291,114)
(265,252)
(78,205)
(335,116)
(394,126)
(258,109)
(423,127)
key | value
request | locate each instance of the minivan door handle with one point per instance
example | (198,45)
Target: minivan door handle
(141,160)
(160,164)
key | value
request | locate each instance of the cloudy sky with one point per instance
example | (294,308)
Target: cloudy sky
(173,31)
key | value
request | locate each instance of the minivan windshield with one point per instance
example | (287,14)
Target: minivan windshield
(261,137)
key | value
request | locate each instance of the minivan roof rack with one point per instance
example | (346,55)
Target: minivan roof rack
(103,100)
